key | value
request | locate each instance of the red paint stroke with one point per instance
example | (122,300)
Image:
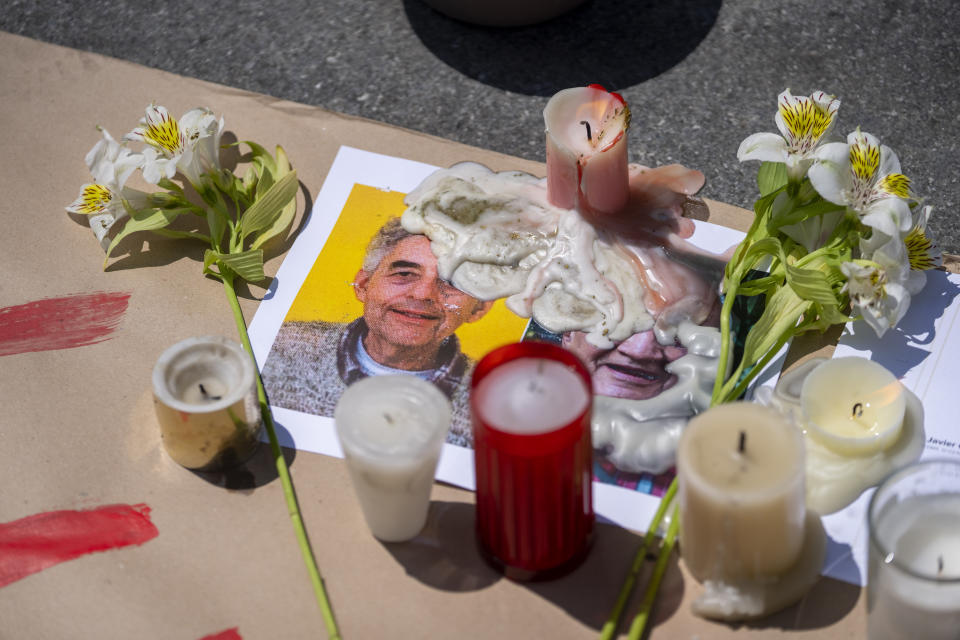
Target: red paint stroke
(60,323)
(40,541)
(226,634)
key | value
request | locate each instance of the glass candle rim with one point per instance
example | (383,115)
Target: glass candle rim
(161,389)
(852,444)
(531,349)
(766,491)
(429,393)
(875,541)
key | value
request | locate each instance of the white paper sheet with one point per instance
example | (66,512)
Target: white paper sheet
(924,352)
(628,508)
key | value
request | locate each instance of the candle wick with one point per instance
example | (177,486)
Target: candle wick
(742,445)
(587,125)
(857,410)
(206,395)
(939,565)
(388,418)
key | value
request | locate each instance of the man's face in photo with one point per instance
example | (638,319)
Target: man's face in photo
(406,304)
(634,369)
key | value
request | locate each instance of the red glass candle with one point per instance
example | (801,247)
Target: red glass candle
(531,405)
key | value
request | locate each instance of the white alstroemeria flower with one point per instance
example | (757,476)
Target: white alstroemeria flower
(190,145)
(864,175)
(879,301)
(804,122)
(919,253)
(111,162)
(104,204)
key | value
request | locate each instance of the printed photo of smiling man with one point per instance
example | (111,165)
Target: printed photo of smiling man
(407,327)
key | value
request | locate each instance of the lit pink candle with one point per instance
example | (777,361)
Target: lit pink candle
(587,149)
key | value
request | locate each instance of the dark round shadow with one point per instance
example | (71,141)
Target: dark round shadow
(615,44)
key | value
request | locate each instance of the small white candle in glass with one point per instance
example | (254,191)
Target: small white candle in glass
(853,405)
(205,398)
(392,429)
(913,588)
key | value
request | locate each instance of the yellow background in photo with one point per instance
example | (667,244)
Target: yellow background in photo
(327,293)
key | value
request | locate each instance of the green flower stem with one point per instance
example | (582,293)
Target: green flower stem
(282,470)
(639,624)
(610,626)
(742,385)
(730,296)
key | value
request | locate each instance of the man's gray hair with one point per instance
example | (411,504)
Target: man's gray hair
(388,237)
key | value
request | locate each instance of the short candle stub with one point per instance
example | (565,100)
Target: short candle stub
(206,404)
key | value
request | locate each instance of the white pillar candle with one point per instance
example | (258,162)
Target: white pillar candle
(530,396)
(853,405)
(587,149)
(741,493)
(391,429)
(913,589)
(205,400)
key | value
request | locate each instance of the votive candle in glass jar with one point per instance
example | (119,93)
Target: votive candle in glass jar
(205,398)
(913,584)
(531,404)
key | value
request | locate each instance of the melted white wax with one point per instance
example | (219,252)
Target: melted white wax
(496,235)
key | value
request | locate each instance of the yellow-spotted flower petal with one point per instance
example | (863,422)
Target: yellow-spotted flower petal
(922,253)
(93,199)
(190,145)
(804,123)
(865,176)
(805,120)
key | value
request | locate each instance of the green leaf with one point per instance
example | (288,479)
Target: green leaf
(771,177)
(250,179)
(262,157)
(268,208)
(192,235)
(782,311)
(818,207)
(146,220)
(811,284)
(217,223)
(248,264)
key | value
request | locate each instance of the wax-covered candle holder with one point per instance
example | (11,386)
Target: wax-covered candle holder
(205,399)
(587,149)
(860,424)
(391,429)
(913,585)
(530,403)
(745,532)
